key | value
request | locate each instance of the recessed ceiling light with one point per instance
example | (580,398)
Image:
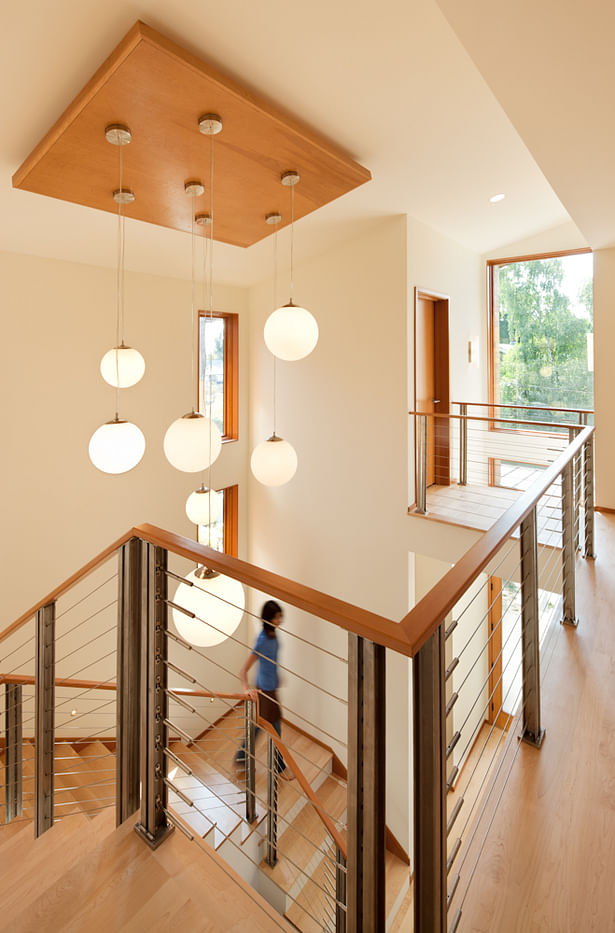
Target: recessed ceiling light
(497,197)
(73,712)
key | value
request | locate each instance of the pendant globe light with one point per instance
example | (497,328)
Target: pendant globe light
(274,461)
(212,603)
(192,442)
(122,366)
(291,332)
(118,445)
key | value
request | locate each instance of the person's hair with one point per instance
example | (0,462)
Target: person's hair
(269,611)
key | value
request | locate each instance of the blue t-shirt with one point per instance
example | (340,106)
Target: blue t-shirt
(266,651)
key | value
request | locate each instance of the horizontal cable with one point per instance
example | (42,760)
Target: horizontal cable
(88,619)
(87,596)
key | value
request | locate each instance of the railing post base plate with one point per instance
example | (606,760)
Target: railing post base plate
(531,739)
(572,622)
(153,841)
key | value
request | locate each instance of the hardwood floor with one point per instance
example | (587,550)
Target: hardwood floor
(549,857)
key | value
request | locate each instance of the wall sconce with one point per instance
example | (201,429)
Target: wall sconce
(473,351)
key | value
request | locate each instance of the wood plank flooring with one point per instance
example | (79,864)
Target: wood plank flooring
(549,857)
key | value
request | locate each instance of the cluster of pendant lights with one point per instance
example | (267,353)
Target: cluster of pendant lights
(192,442)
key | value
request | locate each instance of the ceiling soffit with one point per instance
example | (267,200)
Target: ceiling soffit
(160,91)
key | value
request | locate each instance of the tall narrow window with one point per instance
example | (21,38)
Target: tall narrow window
(218,370)
(223,535)
(541,319)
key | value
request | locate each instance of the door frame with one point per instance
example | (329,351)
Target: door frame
(442,466)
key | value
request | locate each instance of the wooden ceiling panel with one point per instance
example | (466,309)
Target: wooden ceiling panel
(159,90)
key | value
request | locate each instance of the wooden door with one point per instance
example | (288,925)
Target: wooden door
(425,374)
(431,380)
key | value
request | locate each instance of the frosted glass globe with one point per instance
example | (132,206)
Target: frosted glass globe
(125,362)
(187,443)
(198,506)
(116,446)
(274,461)
(291,332)
(214,599)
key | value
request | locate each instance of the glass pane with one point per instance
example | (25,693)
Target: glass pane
(543,336)
(213,535)
(211,369)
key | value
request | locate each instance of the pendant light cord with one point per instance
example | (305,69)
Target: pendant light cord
(119,287)
(195,407)
(292,238)
(209,356)
(275,290)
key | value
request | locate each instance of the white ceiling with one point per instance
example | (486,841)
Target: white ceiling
(390,82)
(551,65)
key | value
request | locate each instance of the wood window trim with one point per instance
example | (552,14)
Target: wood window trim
(491,264)
(230,520)
(231,370)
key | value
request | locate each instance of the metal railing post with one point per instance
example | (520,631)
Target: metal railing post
(588,458)
(463,444)
(576,488)
(13,763)
(45,718)
(421,464)
(272,803)
(128,712)
(250,762)
(340,891)
(430,830)
(568,548)
(365,882)
(530,634)
(152,826)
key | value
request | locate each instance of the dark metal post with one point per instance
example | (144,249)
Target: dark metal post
(463,444)
(428,687)
(272,803)
(530,633)
(365,882)
(568,548)
(588,451)
(128,712)
(250,762)
(576,488)
(13,764)
(340,891)
(152,826)
(45,717)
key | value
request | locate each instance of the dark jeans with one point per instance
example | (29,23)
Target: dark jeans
(280,764)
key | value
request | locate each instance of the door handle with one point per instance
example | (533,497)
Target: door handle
(435,400)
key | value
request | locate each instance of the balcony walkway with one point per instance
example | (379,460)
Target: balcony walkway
(479,507)
(549,859)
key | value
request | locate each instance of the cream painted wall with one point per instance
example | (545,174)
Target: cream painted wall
(604,379)
(341,524)
(58,511)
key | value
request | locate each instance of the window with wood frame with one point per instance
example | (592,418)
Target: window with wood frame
(219,370)
(222,534)
(541,334)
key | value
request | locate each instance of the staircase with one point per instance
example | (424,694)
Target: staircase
(84,874)
(301,886)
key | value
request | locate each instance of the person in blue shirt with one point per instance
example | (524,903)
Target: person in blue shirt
(265,655)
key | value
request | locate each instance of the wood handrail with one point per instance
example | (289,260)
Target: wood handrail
(351,618)
(63,587)
(580,411)
(422,621)
(306,787)
(516,421)
(29,680)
